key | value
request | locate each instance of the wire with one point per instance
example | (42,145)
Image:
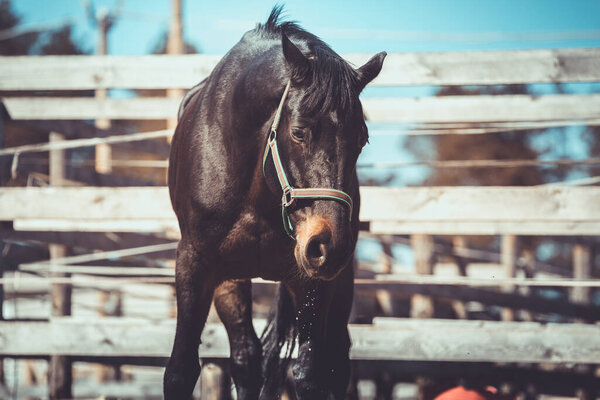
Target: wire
(71,144)
(378,164)
(103,255)
(380,280)
(90,163)
(591,180)
(16,31)
(481,163)
(466,281)
(460,37)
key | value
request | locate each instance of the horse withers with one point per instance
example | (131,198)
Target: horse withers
(262,177)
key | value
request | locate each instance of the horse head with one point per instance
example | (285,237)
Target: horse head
(320,128)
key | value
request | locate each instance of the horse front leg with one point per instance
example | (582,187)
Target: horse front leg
(233,301)
(195,284)
(310,369)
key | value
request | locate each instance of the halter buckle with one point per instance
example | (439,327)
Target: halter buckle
(287,199)
(272,135)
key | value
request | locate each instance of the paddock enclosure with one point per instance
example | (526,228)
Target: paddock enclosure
(88,264)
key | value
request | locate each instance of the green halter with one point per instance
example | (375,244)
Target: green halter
(290,193)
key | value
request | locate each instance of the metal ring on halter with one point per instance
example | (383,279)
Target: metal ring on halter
(287,199)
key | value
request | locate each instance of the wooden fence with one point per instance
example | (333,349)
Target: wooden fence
(386,339)
(551,210)
(440,210)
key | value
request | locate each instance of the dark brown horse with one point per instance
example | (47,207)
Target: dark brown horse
(262,178)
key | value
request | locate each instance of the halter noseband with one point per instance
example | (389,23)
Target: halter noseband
(290,193)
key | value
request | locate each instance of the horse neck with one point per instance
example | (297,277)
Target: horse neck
(256,95)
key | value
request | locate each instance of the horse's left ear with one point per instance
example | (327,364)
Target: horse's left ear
(298,63)
(370,70)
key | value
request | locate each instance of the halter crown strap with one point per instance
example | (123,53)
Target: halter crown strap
(290,193)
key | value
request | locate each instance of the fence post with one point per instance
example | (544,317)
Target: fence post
(215,383)
(422,246)
(582,268)
(509,262)
(460,242)
(60,372)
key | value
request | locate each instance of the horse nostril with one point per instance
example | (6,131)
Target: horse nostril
(316,250)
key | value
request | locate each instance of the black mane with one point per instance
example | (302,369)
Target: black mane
(333,85)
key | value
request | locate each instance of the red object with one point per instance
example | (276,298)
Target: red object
(460,393)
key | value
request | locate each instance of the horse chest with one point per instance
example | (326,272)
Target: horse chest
(252,249)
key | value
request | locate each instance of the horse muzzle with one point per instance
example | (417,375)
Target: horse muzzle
(319,252)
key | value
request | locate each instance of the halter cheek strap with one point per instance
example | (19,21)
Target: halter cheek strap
(290,193)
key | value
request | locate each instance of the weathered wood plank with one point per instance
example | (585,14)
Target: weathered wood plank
(486,67)
(423,204)
(183,71)
(539,228)
(471,204)
(463,292)
(89,203)
(98,72)
(545,228)
(433,210)
(511,108)
(96,225)
(429,340)
(423,340)
(56,108)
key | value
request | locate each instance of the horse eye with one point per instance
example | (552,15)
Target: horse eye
(298,135)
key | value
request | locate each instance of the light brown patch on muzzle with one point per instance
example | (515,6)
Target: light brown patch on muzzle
(313,240)
(312,226)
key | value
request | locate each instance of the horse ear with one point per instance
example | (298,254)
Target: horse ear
(298,63)
(370,70)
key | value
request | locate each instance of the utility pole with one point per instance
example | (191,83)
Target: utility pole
(175,45)
(103,151)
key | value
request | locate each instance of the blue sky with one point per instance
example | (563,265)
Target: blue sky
(348,26)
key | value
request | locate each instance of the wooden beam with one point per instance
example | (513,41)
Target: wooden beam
(424,256)
(168,228)
(582,269)
(472,204)
(423,340)
(509,252)
(171,229)
(93,72)
(427,204)
(32,108)
(510,108)
(86,240)
(184,71)
(536,228)
(434,210)
(88,203)
(485,296)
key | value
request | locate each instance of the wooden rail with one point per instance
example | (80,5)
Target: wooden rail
(184,71)
(447,109)
(394,339)
(452,210)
